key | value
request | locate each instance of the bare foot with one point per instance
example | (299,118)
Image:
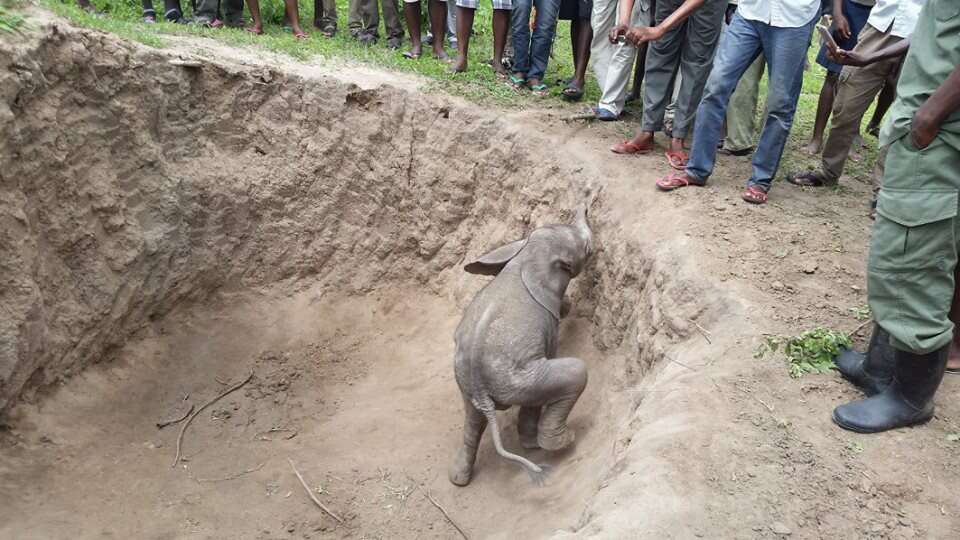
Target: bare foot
(953,361)
(459,65)
(812,148)
(442,55)
(255,29)
(414,52)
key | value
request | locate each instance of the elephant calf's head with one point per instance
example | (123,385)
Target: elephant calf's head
(547,259)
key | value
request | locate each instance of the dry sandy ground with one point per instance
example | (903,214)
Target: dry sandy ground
(682,433)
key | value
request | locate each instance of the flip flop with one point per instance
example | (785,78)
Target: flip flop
(411,56)
(301,35)
(754,195)
(517,81)
(674,181)
(540,90)
(572,92)
(806,179)
(677,160)
(255,31)
(630,148)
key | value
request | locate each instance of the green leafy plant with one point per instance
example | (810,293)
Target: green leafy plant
(861,313)
(812,351)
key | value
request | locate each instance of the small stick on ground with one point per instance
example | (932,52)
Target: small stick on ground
(310,493)
(760,401)
(186,424)
(185,63)
(859,328)
(703,332)
(445,514)
(231,477)
(165,423)
(582,116)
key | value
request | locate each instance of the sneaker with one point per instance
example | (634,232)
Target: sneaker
(605,115)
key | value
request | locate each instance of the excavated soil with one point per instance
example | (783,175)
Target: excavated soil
(168,230)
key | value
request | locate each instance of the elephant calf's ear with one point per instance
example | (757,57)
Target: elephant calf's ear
(490,263)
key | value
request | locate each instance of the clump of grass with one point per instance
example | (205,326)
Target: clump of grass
(812,351)
(10,22)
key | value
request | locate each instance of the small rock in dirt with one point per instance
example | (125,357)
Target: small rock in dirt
(809,267)
(777,286)
(719,206)
(780,529)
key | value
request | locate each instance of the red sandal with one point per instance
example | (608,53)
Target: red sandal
(754,195)
(674,181)
(629,147)
(677,160)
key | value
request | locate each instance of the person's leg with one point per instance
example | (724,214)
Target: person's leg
(696,61)
(602,19)
(293,11)
(465,12)
(520,33)
(233,13)
(784,50)
(824,105)
(884,100)
(325,16)
(542,41)
(355,17)
(438,23)
(411,11)
(911,272)
(742,111)
(256,23)
(501,28)
(856,90)
(452,23)
(738,50)
(205,11)
(613,90)
(392,27)
(663,57)
(581,59)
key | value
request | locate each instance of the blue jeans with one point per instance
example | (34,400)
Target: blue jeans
(530,56)
(785,50)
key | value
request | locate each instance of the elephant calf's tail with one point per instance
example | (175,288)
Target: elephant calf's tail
(538,473)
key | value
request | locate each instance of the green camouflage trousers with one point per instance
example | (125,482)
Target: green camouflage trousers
(913,251)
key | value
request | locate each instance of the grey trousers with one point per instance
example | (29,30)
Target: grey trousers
(208,10)
(364,18)
(325,12)
(688,48)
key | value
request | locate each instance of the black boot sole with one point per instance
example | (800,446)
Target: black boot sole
(857,429)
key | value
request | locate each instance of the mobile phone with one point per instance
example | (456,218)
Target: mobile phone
(828,38)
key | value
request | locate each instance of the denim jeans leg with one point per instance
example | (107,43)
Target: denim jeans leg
(785,50)
(739,48)
(520,32)
(542,42)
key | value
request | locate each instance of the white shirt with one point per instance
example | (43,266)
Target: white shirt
(779,13)
(899,17)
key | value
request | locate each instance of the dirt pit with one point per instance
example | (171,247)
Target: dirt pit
(170,230)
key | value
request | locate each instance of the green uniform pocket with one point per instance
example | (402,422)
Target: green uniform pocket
(920,229)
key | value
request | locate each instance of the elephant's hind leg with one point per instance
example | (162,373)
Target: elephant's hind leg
(562,383)
(462,469)
(527,421)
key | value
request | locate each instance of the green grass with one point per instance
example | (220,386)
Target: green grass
(478,85)
(811,351)
(10,21)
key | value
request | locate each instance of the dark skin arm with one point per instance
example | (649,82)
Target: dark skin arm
(854,58)
(937,108)
(840,24)
(640,34)
(624,10)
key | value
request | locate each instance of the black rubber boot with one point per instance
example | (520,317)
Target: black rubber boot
(871,371)
(908,400)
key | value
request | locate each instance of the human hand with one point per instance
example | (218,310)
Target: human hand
(641,34)
(925,125)
(841,27)
(850,58)
(617,31)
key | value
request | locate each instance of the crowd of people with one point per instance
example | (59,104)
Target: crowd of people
(697,66)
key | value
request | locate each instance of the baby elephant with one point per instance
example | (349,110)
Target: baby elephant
(506,345)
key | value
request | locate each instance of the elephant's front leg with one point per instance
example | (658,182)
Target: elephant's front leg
(462,469)
(527,421)
(557,388)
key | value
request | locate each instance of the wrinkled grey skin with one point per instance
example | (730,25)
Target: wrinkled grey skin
(506,345)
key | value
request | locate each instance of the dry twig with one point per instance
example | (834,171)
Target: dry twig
(186,424)
(445,514)
(165,423)
(231,477)
(760,401)
(185,63)
(582,116)
(310,493)
(703,332)
(859,328)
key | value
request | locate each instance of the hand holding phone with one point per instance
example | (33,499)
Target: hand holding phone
(828,38)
